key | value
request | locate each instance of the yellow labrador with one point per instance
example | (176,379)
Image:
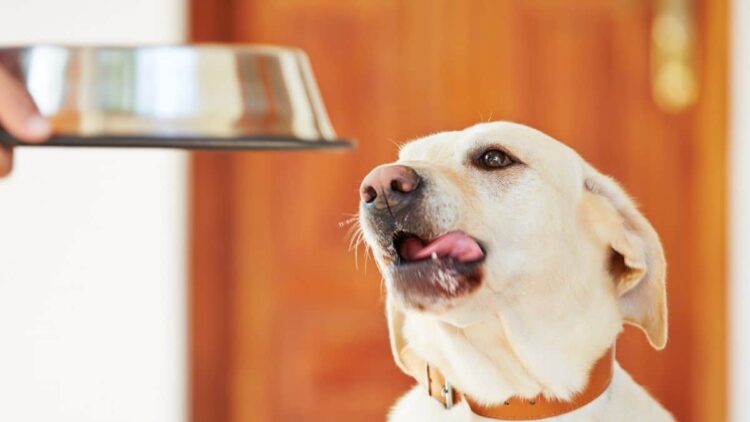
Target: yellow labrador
(511,265)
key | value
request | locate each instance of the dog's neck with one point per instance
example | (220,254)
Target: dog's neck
(523,350)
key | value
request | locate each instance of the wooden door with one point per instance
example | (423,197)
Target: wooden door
(285,327)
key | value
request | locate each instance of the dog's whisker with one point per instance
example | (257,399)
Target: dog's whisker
(356,238)
(352,234)
(349,221)
(396,144)
(368,253)
(356,241)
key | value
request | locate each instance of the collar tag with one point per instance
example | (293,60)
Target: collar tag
(447,392)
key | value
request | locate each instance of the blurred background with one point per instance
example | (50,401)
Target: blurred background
(161,286)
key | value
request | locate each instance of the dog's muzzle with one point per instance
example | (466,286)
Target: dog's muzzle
(424,263)
(391,201)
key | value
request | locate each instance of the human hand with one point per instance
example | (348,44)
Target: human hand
(20,117)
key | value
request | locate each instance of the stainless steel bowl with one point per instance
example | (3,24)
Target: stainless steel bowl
(205,96)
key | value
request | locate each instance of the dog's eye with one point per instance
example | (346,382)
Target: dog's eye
(494,159)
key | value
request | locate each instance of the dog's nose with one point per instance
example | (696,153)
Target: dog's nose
(392,183)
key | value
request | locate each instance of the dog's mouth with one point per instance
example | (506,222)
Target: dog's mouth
(452,246)
(437,270)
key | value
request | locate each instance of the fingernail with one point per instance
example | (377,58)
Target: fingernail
(38,126)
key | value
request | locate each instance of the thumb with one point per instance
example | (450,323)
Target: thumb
(18,113)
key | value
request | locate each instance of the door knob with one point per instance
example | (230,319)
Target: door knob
(673,81)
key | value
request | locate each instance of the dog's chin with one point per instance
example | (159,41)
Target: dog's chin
(434,285)
(436,282)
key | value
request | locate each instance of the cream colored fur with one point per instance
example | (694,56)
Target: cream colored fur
(569,260)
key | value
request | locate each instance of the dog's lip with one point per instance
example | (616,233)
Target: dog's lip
(455,247)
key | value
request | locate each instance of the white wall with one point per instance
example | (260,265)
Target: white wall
(739,193)
(92,250)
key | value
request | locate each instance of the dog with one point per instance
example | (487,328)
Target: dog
(510,267)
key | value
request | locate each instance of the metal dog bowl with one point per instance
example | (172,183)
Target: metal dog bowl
(206,96)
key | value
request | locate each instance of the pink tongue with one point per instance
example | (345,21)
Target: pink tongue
(455,244)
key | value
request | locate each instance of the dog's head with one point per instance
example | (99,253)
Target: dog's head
(499,214)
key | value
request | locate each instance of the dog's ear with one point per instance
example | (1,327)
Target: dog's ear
(637,260)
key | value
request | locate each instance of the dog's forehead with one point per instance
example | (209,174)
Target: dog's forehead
(525,143)
(431,148)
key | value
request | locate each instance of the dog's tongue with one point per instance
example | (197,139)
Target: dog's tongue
(456,245)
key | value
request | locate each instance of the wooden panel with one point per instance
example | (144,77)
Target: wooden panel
(286,328)
(707,264)
(210,288)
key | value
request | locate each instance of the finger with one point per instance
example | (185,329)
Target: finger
(6,160)
(18,113)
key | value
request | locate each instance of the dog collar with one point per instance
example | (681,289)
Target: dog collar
(515,408)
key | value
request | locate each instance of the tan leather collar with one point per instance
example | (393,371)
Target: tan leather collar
(514,408)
